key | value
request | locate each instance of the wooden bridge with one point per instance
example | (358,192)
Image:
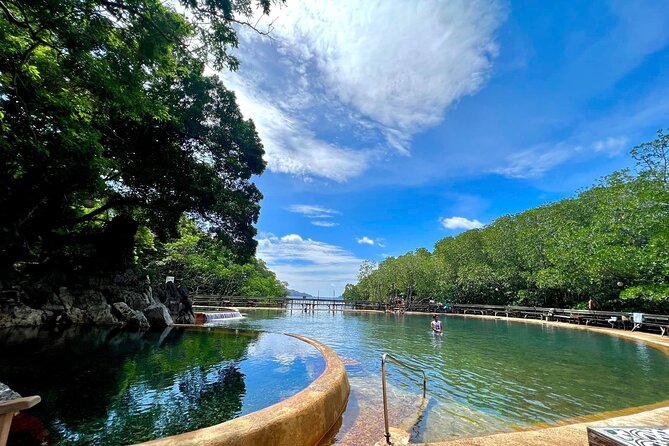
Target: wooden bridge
(306,303)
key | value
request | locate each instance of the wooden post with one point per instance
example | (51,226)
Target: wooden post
(7,411)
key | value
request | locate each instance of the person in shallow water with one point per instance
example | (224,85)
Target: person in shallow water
(436,324)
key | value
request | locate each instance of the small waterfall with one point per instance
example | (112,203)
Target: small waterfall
(216,316)
(209,317)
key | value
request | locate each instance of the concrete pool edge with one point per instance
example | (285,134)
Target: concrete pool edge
(303,419)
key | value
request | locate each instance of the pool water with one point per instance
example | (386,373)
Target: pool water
(483,375)
(113,387)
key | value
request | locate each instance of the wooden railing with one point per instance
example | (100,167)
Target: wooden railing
(210,300)
(619,319)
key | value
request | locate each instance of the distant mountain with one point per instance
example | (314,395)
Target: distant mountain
(295,293)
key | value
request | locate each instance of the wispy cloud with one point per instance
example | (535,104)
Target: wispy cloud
(313,211)
(306,264)
(324,224)
(459,223)
(532,163)
(535,162)
(611,145)
(291,146)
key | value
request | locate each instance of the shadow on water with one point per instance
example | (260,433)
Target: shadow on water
(110,386)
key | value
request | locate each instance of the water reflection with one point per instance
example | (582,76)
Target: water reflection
(109,386)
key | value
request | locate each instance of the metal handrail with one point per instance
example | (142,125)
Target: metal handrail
(384,357)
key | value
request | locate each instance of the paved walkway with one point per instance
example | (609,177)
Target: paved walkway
(569,435)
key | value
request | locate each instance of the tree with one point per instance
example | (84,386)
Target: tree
(205,265)
(653,157)
(108,122)
(609,243)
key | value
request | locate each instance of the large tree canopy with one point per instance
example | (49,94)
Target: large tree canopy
(108,121)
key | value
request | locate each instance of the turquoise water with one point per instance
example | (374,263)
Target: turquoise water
(483,375)
(112,387)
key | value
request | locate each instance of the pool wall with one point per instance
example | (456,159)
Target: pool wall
(301,420)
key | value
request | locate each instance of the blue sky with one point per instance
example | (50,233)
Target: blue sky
(389,124)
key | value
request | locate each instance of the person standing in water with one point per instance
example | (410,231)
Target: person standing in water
(436,324)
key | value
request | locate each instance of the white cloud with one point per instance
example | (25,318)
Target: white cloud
(291,238)
(312,211)
(352,70)
(459,223)
(367,56)
(324,224)
(308,265)
(365,241)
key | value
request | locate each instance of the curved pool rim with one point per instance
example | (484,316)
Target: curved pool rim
(547,433)
(301,420)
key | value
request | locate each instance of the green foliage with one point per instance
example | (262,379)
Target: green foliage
(647,297)
(109,123)
(204,264)
(608,239)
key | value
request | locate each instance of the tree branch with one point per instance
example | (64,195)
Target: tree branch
(91,215)
(11,17)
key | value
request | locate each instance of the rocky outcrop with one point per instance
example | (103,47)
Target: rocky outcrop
(175,298)
(158,316)
(132,318)
(124,300)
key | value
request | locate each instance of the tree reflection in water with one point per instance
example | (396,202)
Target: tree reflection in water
(110,386)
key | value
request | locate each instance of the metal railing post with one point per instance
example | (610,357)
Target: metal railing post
(384,357)
(385,398)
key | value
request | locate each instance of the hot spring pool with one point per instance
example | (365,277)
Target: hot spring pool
(112,387)
(483,375)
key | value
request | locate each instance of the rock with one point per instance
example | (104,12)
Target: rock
(90,299)
(185,318)
(177,302)
(66,298)
(158,316)
(132,318)
(77,316)
(102,315)
(96,315)
(134,299)
(22,315)
(7,394)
